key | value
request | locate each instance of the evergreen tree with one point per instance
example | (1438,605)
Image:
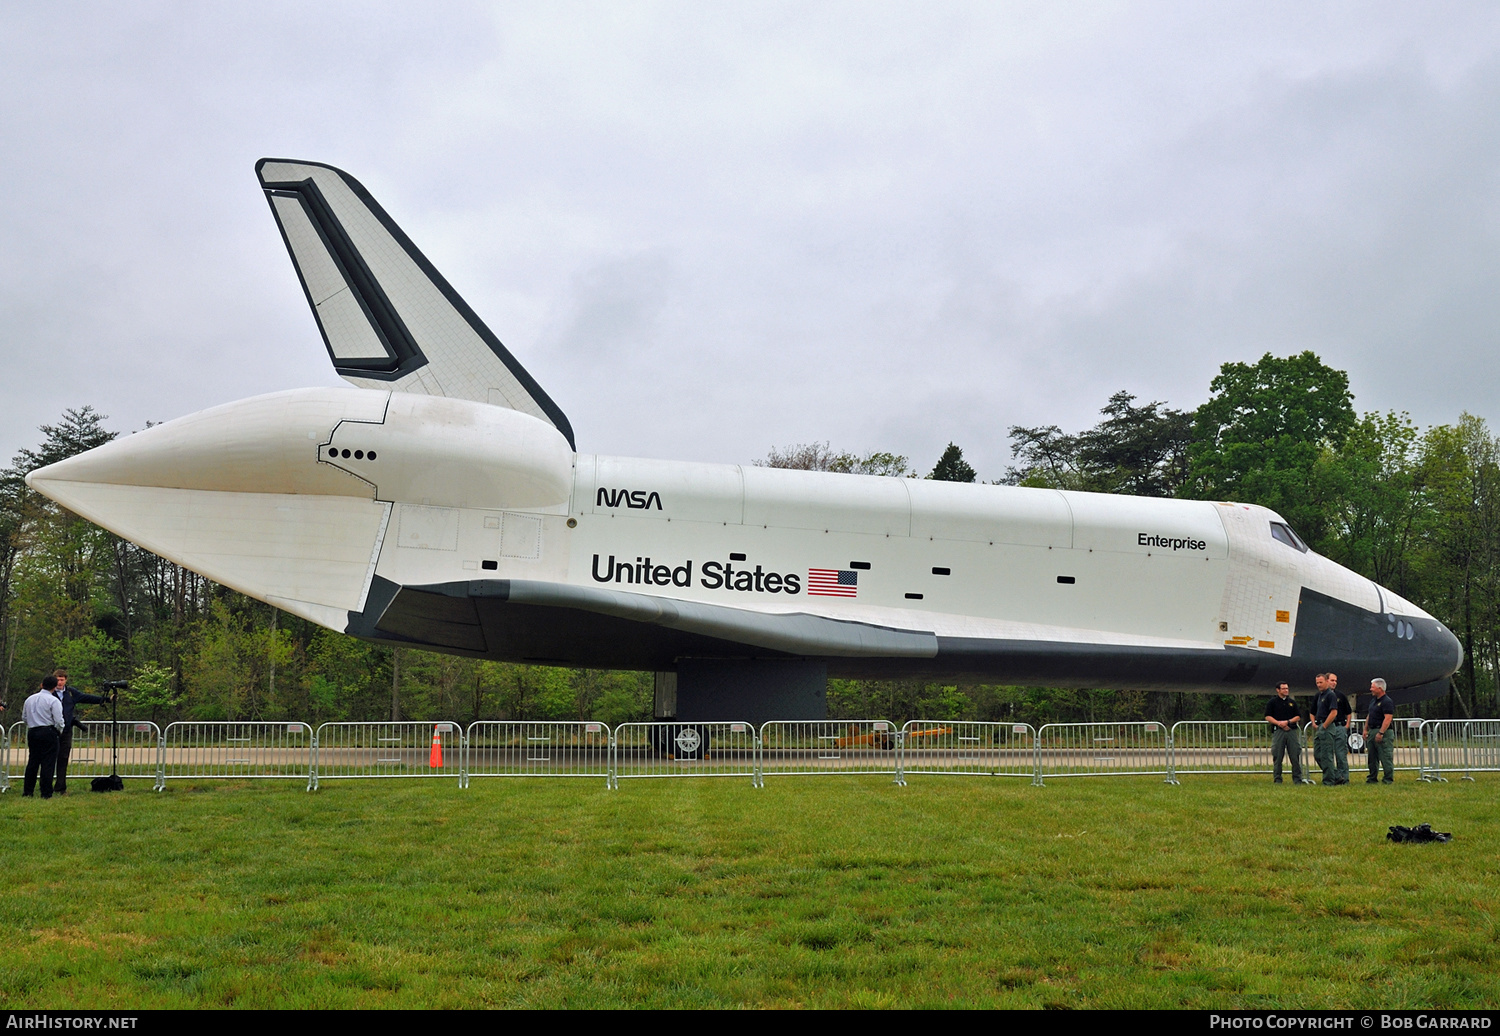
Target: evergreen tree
(951,467)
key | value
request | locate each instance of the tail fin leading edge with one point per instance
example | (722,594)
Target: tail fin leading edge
(388,318)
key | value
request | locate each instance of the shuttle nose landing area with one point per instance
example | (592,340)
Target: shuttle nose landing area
(1414,654)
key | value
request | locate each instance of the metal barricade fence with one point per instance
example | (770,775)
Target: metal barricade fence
(1103,749)
(234,749)
(138,748)
(1483,745)
(684,748)
(405,749)
(536,749)
(4,759)
(138,744)
(830,746)
(16,736)
(1226,746)
(1459,745)
(1408,754)
(1408,734)
(1443,748)
(972,748)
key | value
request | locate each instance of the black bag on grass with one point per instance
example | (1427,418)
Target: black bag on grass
(1420,833)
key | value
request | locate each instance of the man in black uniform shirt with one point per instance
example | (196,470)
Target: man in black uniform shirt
(1380,733)
(1284,715)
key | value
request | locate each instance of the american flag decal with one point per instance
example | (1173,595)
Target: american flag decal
(832,582)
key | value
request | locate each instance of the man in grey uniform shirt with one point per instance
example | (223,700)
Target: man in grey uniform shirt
(1340,729)
(44,725)
(1326,714)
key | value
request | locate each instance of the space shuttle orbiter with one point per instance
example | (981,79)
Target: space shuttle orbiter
(440,503)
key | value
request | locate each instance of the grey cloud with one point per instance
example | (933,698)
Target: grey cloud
(610,314)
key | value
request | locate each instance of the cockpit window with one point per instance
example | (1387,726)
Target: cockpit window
(1285,534)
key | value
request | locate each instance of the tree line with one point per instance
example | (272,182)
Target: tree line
(1415,510)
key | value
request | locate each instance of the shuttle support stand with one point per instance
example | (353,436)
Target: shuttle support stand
(756,690)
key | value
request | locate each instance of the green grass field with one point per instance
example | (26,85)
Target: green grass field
(818,892)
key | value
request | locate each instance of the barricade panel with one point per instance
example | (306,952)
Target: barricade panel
(684,748)
(1408,747)
(1103,749)
(16,735)
(1224,746)
(1444,748)
(963,747)
(405,749)
(4,759)
(537,749)
(139,750)
(1459,746)
(830,746)
(1483,745)
(234,749)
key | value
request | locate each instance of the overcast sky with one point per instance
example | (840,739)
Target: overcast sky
(710,229)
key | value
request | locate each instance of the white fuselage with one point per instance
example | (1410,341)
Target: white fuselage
(436,492)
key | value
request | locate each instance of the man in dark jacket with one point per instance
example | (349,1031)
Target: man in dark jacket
(70,699)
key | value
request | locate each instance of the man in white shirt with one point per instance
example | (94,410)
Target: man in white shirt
(44,726)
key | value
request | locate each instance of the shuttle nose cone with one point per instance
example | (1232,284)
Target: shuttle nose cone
(1449,650)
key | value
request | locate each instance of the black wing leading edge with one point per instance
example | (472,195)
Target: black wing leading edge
(389,319)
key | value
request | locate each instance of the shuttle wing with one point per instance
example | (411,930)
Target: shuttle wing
(389,319)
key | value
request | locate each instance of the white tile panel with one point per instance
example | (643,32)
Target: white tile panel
(319,272)
(427,528)
(989,514)
(351,336)
(1128,524)
(687,492)
(821,501)
(521,536)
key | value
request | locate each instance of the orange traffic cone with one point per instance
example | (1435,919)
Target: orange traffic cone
(435,759)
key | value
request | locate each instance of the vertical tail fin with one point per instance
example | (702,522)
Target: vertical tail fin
(389,319)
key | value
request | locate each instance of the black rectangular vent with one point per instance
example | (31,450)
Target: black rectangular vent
(1065,579)
(864,565)
(489,566)
(736,557)
(913,597)
(942,571)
